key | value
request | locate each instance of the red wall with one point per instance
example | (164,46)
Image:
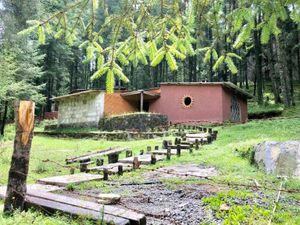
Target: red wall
(206,106)
(226,106)
(211,104)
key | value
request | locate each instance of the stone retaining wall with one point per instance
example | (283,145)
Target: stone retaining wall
(134,122)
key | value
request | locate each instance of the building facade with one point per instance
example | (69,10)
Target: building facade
(206,102)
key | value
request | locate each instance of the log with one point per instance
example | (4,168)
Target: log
(16,187)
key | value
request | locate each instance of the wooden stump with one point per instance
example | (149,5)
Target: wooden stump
(142,152)
(156,147)
(136,163)
(204,129)
(16,187)
(210,130)
(153,159)
(128,153)
(169,153)
(148,149)
(105,174)
(113,158)
(197,144)
(99,162)
(165,144)
(120,170)
(178,148)
(83,167)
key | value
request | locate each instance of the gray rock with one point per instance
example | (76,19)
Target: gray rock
(279,158)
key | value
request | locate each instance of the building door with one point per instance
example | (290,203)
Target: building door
(235,109)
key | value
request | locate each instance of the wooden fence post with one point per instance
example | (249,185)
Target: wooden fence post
(16,187)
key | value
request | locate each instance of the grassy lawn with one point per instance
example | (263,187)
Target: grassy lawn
(224,154)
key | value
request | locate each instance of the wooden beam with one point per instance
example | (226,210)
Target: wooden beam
(16,187)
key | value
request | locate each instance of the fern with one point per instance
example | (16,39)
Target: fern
(215,54)
(41,35)
(265,34)
(90,52)
(231,65)
(59,33)
(243,36)
(207,56)
(176,53)
(231,54)
(171,61)
(28,30)
(158,58)
(83,44)
(100,61)
(122,59)
(218,63)
(121,75)
(100,72)
(110,81)
(98,47)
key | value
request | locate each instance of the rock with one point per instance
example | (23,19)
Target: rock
(279,158)
(108,199)
(224,207)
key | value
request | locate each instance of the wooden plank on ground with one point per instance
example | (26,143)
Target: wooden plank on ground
(164,151)
(197,135)
(112,168)
(193,140)
(181,146)
(99,153)
(143,159)
(50,205)
(32,188)
(135,218)
(69,179)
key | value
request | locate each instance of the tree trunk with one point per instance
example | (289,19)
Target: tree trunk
(3,122)
(258,65)
(273,73)
(281,66)
(16,187)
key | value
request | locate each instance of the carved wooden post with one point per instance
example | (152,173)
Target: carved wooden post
(105,174)
(165,144)
(16,187)
(197,144)
(169,153)
(120,170)
(178,147)
(153,158)
(148,149)
(99,162)
(136,163)
(128,153)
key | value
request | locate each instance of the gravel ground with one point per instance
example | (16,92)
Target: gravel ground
(162,205)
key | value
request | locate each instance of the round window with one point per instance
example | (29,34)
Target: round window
(187,101)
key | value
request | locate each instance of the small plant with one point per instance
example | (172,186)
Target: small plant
(70,187)
(41,168)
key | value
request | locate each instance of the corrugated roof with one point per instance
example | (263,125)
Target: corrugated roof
(228,85)
(76,94)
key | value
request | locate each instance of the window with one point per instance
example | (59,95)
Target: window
(187,101)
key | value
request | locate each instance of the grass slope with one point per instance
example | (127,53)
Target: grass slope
(224,154)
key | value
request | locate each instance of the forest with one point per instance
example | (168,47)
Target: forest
(53,47)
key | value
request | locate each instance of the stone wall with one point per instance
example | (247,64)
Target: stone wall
(82,110)
(134,122)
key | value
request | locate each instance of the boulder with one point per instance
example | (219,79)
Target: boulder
(279,158)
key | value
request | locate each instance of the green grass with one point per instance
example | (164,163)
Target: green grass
(224,154)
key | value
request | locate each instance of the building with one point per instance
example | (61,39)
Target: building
(196,102)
